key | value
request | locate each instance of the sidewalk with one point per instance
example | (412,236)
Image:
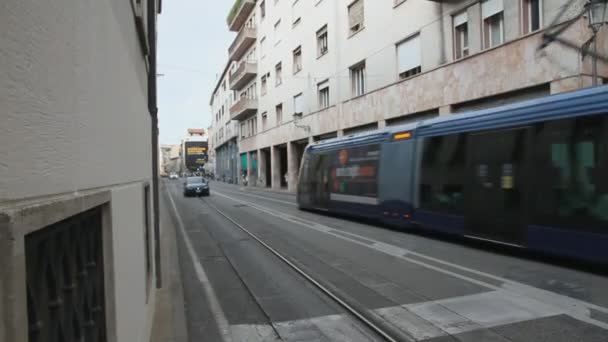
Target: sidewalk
(169,318)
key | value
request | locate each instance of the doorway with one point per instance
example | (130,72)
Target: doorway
(497,185)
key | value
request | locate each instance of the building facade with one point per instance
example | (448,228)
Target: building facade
(225,130)
(170,159)
(78,237)
(311,70)
(210,166)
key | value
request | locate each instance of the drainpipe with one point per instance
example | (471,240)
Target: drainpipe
(152,107)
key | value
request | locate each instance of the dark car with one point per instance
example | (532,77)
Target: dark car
(196,186)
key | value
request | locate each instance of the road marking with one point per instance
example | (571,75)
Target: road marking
(481,311)
(324,328)
(214,304)
(254,333)
(575,308)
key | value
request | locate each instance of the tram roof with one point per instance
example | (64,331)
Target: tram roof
(587,101)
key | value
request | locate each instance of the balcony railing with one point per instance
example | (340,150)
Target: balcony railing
(243,75)
(242,42)
(239,13)
(243,109)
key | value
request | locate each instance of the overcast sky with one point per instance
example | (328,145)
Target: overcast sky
(193,41)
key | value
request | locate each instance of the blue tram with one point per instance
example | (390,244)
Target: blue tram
(532,174)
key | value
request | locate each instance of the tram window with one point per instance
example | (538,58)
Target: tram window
(354,171)
(443,173)
(571,167)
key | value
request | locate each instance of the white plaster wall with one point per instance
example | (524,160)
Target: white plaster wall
(74,116)
(134,310)
(73,97)
(514,65)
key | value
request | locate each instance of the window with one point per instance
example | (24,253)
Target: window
(250,22)
(356,16)
(277,25)
(262,41)
(278,77)
(322,47)
(461,35)
(250,92)
(298,104)
(357,79)
(493,23)
(323,90)
(250,56)
(297,59)
(279,112)
(408,56)
(263,9)
(264,83)
(531,15)
(355,175)
(571,164)
(297,21)
(264,120)
(443,173)
(243,130)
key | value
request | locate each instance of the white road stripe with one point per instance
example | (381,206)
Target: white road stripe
(214,304)
(339,328)
(575,308)
(254,333)
(482,310)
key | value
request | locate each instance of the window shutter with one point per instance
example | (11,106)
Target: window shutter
(408,54)
(355,13)
(491,7)
(460,19)
(323,85)
(297,104)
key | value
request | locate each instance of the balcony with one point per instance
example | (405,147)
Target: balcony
(242,42)
(239,13)
(243,109)
(243,75)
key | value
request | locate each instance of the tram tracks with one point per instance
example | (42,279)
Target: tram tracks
(359,312)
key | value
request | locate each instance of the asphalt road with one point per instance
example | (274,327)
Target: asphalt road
(428,288)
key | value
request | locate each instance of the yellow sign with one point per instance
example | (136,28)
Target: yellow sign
(196,150)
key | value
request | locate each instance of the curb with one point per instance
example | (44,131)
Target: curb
(169,318)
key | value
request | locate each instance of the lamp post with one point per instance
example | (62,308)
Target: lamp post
(596,14)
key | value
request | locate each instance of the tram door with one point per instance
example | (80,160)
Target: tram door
(496,187)
(320,182)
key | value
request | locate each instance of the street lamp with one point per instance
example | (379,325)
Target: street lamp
(596,13)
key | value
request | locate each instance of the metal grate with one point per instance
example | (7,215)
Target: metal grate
(65,292)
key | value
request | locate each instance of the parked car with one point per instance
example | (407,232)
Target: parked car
(173,175)
(196,186)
